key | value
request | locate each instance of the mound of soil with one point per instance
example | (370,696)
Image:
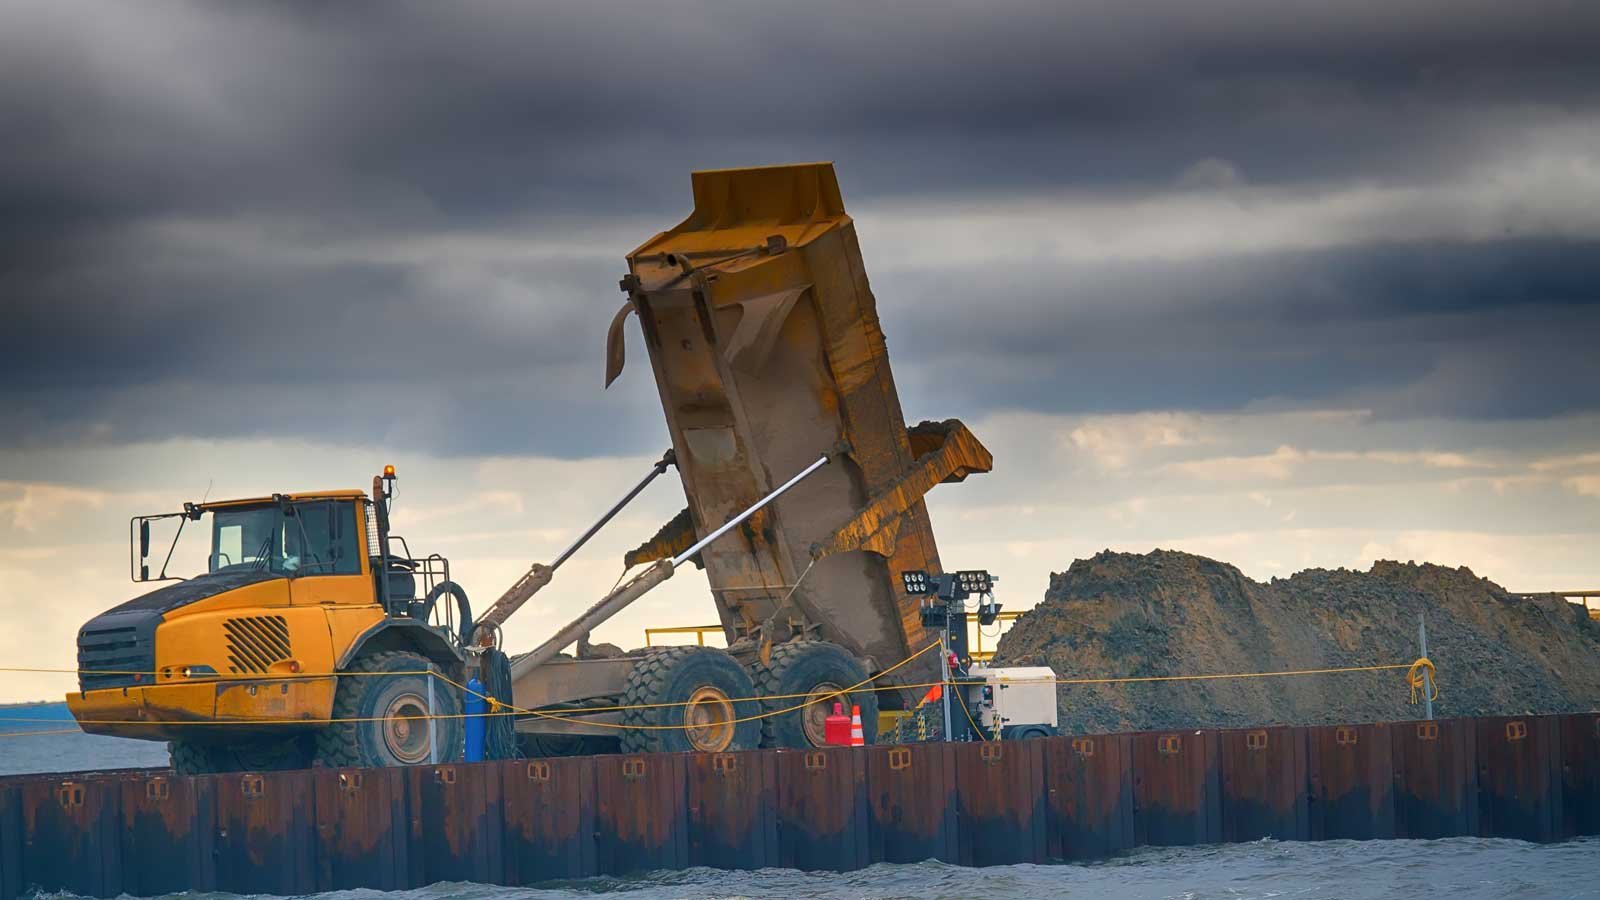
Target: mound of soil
(1171,613)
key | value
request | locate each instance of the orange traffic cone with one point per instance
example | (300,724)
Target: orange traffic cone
(857,737)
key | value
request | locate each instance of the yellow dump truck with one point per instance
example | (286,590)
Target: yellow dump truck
(804,490)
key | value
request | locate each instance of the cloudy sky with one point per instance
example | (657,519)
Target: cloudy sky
(1285,283)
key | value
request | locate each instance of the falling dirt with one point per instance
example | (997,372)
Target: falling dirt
(1172,613)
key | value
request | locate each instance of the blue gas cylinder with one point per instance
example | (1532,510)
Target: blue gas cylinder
(475,707)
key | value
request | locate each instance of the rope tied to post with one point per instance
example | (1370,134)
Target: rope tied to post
(1422,680)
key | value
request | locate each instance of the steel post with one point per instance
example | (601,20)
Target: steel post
(1427,675)
(433,724)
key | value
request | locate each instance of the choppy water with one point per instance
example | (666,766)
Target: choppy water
(1457,868)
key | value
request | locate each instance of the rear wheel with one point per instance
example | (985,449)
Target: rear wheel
(803,680)
(689,698)
(381,711)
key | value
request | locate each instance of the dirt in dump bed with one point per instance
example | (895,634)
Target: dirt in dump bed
(1171,613)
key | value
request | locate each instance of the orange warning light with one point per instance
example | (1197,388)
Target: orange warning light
(388,471)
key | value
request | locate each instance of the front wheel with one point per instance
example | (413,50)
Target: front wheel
(249,755)
(381,712)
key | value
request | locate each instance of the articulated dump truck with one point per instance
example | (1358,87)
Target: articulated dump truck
(804,489)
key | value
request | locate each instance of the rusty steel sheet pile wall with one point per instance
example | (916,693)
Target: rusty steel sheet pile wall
(168,829)
(1350,770)
(911,803)
(1000,794)
(1263,786)
(1519,777)
(1580,774)
(1089,796)
(1435,779)
(549,808)
(362,829)
(732,810)
(822,803)
(524,822)
(1176,791)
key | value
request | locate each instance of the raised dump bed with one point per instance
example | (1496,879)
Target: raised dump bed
(764,340)
(521,822)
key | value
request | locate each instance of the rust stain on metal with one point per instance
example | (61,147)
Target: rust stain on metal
(1350,770)
(361,828)
(166,835)
(1000,790)
(1263,776)
(1580,774)
(455,826)
(912,803)
(549,814)
(822,804)
(264,832)
(1089,791)
(639,812)
(1519,778)
(732,810)
(70,835)
(1177,797)
(1435,781)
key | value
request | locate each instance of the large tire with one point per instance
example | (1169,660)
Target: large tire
(810,668)
(189,758)
(252,755)
(373,710)
(712,689)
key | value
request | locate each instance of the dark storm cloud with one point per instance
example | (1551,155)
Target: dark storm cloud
(1495,330)
(353,125)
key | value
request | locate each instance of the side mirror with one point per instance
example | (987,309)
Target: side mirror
(144,538)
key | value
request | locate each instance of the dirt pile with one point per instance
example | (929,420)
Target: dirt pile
(1171,613)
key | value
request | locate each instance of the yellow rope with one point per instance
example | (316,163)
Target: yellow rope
(1414,677)
(1133,680)
(1420,676)
(736,721)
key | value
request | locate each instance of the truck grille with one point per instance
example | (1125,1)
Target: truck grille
(256,642)
(117,653)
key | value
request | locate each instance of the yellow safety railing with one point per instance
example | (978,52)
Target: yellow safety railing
(1589,600)
(699,632)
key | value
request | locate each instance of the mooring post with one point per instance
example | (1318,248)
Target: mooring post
(433,724)
(1427,675)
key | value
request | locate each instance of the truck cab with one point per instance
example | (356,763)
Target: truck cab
(247,653)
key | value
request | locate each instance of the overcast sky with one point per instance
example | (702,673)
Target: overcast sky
(1285,283)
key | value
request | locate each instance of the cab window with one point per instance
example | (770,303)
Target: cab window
(246,538)
(320,538)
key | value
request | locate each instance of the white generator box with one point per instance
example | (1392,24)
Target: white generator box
(1012,698)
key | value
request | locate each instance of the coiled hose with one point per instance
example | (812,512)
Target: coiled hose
(425,612)
(500,739)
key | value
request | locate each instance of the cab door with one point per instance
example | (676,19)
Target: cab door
(324,540)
